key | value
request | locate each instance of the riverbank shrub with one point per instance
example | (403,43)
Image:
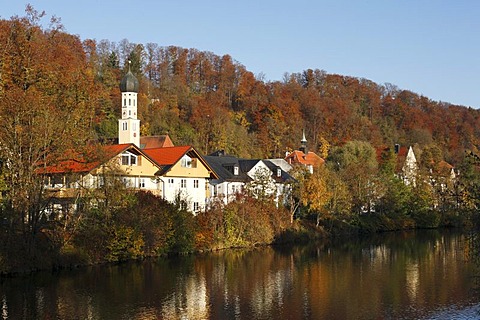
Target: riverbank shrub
(139,225)
(246,221)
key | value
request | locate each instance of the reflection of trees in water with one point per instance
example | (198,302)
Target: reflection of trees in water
(472,254)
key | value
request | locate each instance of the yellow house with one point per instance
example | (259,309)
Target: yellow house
(184,175)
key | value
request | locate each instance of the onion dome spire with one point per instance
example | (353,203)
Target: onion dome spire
(129,82)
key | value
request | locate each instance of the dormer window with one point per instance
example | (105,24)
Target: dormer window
(279,172)
(186,162)
(235,170)
(129,159)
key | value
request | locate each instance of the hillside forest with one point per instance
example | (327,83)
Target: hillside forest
(60,93)
(213,102)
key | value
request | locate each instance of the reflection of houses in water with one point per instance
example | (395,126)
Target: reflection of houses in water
(412,279)
(189,301)
(270,293)
(378,255)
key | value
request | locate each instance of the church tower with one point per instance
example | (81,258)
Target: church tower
(129,125)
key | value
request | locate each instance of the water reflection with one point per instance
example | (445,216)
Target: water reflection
(395,276)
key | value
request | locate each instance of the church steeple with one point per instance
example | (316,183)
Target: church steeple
(129,125)
(303,143)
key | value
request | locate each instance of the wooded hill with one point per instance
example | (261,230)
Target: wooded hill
(59,93)
(213,102)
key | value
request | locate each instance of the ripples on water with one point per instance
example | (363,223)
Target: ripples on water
(395,276)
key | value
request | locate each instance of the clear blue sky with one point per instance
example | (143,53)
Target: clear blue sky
(431,47)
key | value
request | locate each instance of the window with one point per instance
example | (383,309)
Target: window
(196,207)
(183,183)
(141,183)
(127,182)
(235,170)
(188,162)
(124,102)
(129,159)
(124,126)
(183,205)
(195,183)
(101,181)
(170,181)
(125,159)
(134,126)
(129,102)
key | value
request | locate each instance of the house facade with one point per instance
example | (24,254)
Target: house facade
(235,175)
(183,175)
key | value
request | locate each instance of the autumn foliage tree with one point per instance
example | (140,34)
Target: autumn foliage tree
(45,109)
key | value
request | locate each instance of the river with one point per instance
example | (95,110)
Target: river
(402,275)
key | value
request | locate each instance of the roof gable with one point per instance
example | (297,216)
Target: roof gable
(167,157)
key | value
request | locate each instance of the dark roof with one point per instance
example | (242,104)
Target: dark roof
(285,176)
(224,166)
(129,83)
(247,165)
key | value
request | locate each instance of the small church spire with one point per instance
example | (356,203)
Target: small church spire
(303,143)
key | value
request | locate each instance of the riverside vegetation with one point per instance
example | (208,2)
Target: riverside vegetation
(58,93)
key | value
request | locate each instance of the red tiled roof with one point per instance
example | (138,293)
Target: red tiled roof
(155,142)
(311,158)
(165,158)
(168,155)
(76,162)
